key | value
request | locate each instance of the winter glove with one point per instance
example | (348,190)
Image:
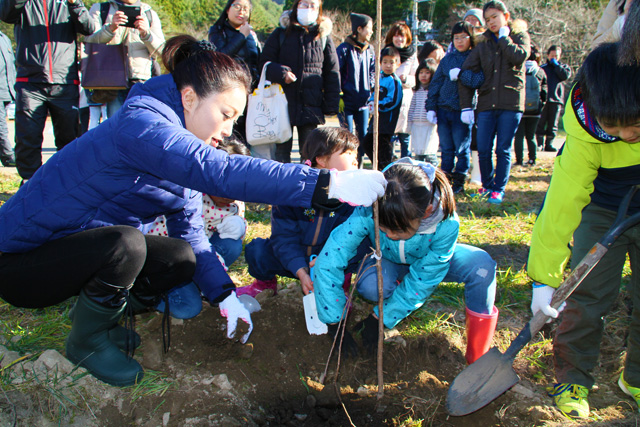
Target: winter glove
(453,74)
(233,309)
(504,31)
(349,345)
(466,116)
(541,300)
(341,106)
(357,187)
(369,331)
(431,117)
(232,227)
(371,107)
(554,62)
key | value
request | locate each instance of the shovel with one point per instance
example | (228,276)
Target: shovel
(314,324)
(492,374)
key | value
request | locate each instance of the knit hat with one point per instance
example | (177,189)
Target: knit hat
(358,20)
(477,13)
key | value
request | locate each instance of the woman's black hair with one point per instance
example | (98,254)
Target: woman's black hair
(535,54)
(428,64)
(464,27)
(325,141)
(196,64)
(408,195)
(428,47)
(610,91)
(232,145)
(225,13)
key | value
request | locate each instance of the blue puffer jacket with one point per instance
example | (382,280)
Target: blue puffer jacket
(140,164)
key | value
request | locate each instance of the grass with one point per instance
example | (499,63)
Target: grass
(503,231)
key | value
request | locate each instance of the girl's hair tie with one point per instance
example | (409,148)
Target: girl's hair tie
(307,162)
(204,46)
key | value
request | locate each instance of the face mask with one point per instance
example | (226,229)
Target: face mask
(307,16)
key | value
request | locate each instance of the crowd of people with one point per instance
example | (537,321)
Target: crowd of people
(145,210)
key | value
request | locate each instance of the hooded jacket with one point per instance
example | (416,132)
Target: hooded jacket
(537,73)
(592,167)
(316,91)
(501,60)
(45,34)
(427,253)
(139,51)
(556,74)
(138,165)
(357,73)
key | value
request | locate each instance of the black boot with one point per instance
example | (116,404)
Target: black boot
(88,343)
(548,146)
(118,335)
(458,182)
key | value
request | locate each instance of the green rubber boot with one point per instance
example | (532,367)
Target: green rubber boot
(118,334)
(89,346)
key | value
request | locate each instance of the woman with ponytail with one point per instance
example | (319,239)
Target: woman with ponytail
(419,229)
(597,166)
(75,227)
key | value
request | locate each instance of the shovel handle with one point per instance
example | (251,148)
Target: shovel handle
(566,288)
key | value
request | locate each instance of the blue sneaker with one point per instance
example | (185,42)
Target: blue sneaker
(496,197)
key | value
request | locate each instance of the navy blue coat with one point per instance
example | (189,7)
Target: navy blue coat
(138,165)
(357,74)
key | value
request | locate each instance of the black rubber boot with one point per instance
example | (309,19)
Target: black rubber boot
(457,184)
(89,346)
(118,334)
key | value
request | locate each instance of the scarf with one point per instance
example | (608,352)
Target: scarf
(405,52)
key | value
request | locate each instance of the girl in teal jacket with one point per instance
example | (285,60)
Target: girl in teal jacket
(419,229)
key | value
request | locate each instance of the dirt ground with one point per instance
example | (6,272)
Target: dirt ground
(274,380)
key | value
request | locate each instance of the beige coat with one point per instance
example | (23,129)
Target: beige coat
(408,70)
(140,51)
(609,27)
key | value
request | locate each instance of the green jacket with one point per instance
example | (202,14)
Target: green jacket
(592,167)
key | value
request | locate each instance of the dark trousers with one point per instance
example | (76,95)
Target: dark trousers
(385,148)
(263,264)
(283,151)
(118,255)
(526,129)
(33,102)
(548,124)
(6,146)
(576,347)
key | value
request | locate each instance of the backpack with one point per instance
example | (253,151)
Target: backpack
(532,100)
(156,70)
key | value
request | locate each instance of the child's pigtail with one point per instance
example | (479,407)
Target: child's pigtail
(447,200)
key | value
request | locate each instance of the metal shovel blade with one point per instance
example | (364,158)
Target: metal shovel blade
(480,383)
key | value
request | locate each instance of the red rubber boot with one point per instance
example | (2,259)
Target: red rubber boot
(258,286)
(480,329)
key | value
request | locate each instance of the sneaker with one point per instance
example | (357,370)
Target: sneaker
(571,399)
(631,391)
(258,286)
(531,162)
(482,192)
(496,197)
(9,162)
(550,149)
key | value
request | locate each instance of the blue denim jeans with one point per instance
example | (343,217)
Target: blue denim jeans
(404,139)
(501,125)
(185,301)
(455,142)
(469,265)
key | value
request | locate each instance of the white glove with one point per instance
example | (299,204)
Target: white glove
(453,74)
(504,31)
(432,117)
(357,187)
(233,309)
(541,300)
(232,227)
(466,116)
(371,107)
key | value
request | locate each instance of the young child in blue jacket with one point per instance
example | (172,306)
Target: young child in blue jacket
(388,108)
(419,229)
(443,107)
(298,233)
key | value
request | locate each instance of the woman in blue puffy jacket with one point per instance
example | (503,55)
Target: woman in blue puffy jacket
(74,228)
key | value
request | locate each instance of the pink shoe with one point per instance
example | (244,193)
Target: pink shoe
(347,283)
(258,286)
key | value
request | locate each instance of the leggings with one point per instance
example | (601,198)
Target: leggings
(118,255)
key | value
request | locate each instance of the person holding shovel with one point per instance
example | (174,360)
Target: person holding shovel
(596,167)
(75,227)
